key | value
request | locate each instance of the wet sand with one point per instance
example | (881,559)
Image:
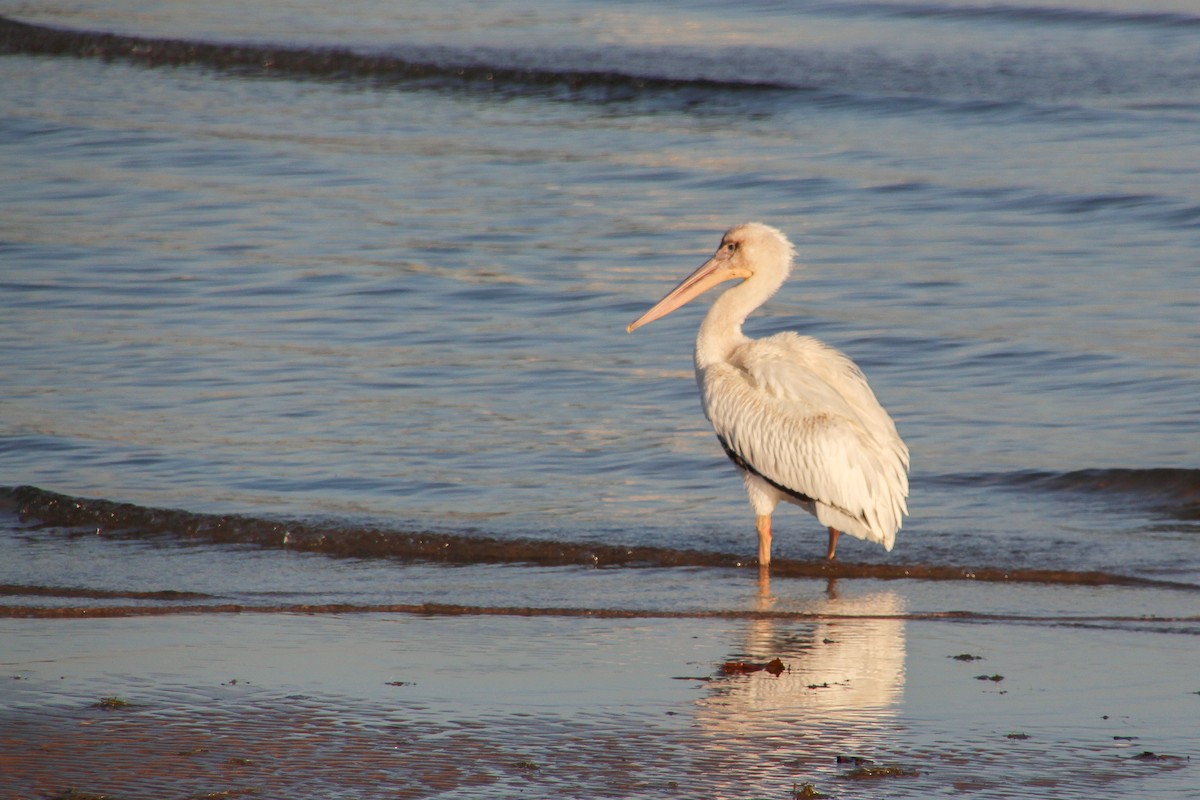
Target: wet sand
(871,703)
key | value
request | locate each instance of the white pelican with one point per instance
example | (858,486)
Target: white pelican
(795,415)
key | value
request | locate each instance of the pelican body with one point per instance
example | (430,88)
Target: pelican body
(795,415)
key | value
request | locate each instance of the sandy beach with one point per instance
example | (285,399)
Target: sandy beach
(872,701)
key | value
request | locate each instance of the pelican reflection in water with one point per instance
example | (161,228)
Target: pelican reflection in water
(795,415)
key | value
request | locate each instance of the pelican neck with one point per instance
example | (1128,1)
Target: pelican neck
(721,331)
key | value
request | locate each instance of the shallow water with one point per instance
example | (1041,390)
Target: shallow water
(380,290)
(304,308)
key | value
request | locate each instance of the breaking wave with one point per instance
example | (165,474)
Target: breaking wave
(432,67)
(1026,14)
(679,77)
(39,509)
(1173,492)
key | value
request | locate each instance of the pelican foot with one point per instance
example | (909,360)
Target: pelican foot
(833,537)
(763,523)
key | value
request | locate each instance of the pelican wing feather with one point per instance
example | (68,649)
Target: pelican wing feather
(801,415)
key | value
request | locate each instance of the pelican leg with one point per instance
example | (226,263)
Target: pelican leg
(833,537)
(763,523)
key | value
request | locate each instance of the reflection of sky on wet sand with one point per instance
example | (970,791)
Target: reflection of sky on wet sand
(839,694)
(398,705)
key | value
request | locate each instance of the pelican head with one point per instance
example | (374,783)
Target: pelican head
(748,252)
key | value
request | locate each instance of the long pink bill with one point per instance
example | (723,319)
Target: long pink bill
(712,272)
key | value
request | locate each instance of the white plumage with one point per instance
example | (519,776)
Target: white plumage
(796,415)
